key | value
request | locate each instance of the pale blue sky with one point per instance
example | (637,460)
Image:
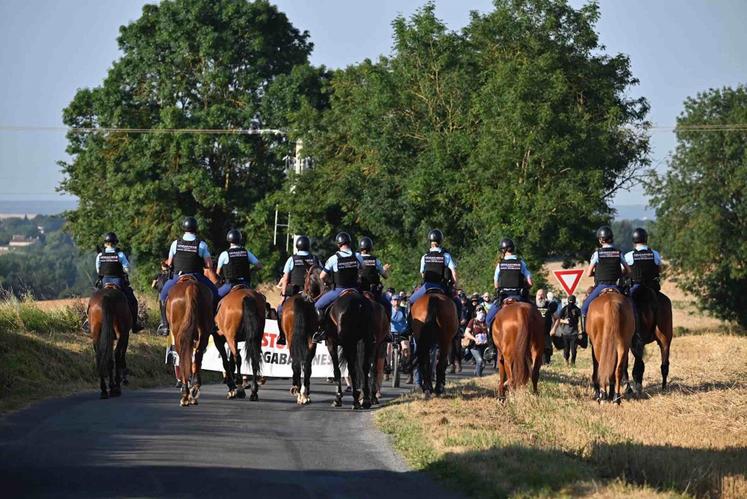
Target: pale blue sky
(49,48)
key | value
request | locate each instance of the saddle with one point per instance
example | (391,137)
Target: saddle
(610,290)
(186,277)
(347,292)
(435,291)
(509,300)
(239,286)
(111,285)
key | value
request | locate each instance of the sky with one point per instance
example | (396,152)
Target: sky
(50,48)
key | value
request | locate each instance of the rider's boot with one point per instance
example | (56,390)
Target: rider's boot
(281,333)
(136,326)
(163,328)
(320,334)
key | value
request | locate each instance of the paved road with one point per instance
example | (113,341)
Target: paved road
(145,445)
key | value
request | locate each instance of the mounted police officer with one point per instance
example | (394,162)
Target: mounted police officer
(438,269)
(294,277)
(187,255)
(511,279)
(607,266)
(371,273)
(645,263)
(235,264)
(344,267)
(113,267)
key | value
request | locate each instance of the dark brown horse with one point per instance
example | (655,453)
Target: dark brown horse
(653,323)
(519,336)
(189,309)
(434,323)
(610,324)
(380,321)
(299,323)
(350,325)
(240,317)
(110,320)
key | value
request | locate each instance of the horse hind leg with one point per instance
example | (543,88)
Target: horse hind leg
(502,377)
(332,347)
(239,379)
(638,368)
(104,392)
(598,394)
(305,395)
(441,370)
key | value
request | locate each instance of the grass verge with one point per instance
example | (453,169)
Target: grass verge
(687,441)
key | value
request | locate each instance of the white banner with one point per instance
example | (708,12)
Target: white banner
(276,361)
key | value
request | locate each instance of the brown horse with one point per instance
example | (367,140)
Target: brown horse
(299,322)
(434,322)
(189,309)
(653,323)
(610,325)
(110,320)
(380,319)
(519,336)
(241,316)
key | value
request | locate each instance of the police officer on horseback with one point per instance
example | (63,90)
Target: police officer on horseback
(187,255)
(607,266)
(294,277)
(344,267)
(511,279)
(371,273)
(645,263)
(113,267)
(236,264)
(438,269)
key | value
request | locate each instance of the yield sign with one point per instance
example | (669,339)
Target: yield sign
(569,279)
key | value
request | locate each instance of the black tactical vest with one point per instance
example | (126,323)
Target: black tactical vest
(301,265)
(346,275)
(608,269)
(510,276)
(644,269)
(369,273)
(238,267)
(109,265)
(435,267)
(187,259)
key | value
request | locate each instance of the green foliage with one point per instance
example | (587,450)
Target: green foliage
(196,64)
(517,126)
(700,203)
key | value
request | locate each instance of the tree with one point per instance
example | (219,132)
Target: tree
(517,126)
(188,64)
(700,202)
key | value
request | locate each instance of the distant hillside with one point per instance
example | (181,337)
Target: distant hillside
(36,206)
(634,212)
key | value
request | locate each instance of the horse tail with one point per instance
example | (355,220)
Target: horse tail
(188,327)
(105,345)
(520,358)
(299,342)
(431,315)
(610,335)
(251,333)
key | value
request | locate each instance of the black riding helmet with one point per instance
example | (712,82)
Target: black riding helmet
(507,244)
(366,244)
(436,236)
(111,237)
(343,238)
(234,236)
(572,299)
(303,243)
(605,234)
(640,236)
(189,224)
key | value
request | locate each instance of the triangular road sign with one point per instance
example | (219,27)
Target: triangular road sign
(569,279)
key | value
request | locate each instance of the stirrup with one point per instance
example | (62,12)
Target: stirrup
(319,336)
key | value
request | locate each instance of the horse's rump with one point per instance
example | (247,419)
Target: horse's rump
(518,328)
(611,325)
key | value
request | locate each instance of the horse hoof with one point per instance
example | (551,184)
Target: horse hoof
(366,404)
(184,402)
(125,381)
(253,397)
(103,395)
(115,392)
(337,403)
(375,401)
(231,394)
(306,401)
(502,399)
(356,406)
(193,401)
(240,393)
(294,390)
(427,395)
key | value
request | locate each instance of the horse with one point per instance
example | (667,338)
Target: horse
(434,322)
(241,316)
(349,325)
(518,333)
(610,326)
(380,320)
(654,323)
(189,309)
(110,320)
(299,320)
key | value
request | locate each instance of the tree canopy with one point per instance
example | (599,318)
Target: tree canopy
(700,203)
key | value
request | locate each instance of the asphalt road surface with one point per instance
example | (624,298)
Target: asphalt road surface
(144,445)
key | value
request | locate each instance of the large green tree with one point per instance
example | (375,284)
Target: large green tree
(189,64)
(520,125)
(701,202)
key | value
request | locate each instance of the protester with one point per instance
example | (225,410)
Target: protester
(476,340)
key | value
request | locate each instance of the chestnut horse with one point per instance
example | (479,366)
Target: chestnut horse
(434,322)
(110,319)
(189,309)
(380,319)
(654,323)
(610,325)
(519,336)
(299,321)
